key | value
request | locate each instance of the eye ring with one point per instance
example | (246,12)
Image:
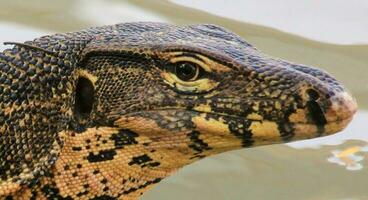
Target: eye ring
(187,71)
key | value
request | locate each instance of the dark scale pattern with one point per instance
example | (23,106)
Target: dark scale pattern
(124,137)
(34,102)
(143,161)
(53,193)
(197,144)
(105,113)
(102,156)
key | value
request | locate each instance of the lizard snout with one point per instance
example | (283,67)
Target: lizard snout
(323,110)
(342,107)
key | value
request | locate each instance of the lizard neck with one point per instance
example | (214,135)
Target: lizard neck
(36,86)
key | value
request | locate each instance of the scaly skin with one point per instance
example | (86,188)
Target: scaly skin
(108,112)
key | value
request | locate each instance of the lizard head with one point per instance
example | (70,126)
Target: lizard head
(133,102)
(205,87)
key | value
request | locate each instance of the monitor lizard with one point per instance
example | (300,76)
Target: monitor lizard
(108,112)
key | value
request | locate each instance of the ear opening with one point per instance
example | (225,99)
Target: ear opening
(84,98)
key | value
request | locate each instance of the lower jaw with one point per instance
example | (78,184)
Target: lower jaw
(312,130)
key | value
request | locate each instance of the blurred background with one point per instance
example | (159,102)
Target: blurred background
(329,34)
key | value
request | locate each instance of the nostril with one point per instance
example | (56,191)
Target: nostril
(312,95)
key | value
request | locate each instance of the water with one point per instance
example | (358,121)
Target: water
(334,167)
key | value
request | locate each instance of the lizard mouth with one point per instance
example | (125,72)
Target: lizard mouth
(319,117)
(310,130)
(179,119)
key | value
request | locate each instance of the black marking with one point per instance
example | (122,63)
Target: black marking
(124,137)
(153,164)
(143,161)
(286,129)
(82,193)
(197,144)
(76,148)
(9,198)
(312,94)
(66,167)
(242,133)
(103,155)
(133,189)
(138,160)
(104,197)
(53,193)
(317,116)
(75,174)
(316,113)
(33,195)
(104,181)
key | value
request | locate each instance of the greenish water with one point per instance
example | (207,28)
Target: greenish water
(334,167)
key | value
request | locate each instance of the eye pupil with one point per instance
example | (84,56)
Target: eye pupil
(186,71)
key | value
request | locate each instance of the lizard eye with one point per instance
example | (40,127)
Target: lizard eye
(189,74)
(187,71)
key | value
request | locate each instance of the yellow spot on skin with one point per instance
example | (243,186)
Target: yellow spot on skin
(216,133)
(211,125)
(275,93)
(277,105)
(203,108)
(256,106)
(255,116)
(298,117)
(283,97)
(266,130)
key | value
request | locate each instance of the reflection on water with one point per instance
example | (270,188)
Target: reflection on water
(313,169)
(348,157)
(271,172)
